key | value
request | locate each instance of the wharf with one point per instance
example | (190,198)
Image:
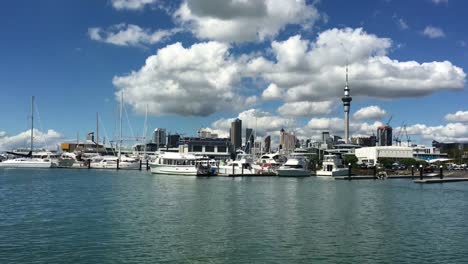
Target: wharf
(371,177)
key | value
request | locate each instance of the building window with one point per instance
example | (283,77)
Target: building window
(197,148)
(209,148)
(222,149)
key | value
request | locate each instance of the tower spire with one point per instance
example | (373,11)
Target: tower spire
(346,105)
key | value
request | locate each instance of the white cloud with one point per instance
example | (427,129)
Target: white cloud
(433,32)
(129,35)
(240,21)
(131,4)
(272,92)
(402,24)
(315,71)
(299,109)
(194,81)
(48,140)
(451,132)
(372,112)
(459,116)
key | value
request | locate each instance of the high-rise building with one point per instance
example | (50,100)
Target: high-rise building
(173,141)
(384,136)
(347,105)
(325,136)
(249,139)
(287,141)
(159,136)
(267,144)
(236,133)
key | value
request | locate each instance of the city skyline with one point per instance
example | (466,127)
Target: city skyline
(202,64)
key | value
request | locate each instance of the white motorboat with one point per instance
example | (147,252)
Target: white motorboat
(243,165)
(294,167)
(110,162)
(171,163)
(332,165)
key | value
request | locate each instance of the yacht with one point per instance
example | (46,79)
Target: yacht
(28,160)
(294,167)
(332,165)
(242,165)
(174,163)
(110,162)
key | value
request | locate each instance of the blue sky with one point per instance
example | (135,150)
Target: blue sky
(75,55)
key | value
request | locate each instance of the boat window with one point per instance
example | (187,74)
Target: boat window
(209,148)
(222,149)
(197,148)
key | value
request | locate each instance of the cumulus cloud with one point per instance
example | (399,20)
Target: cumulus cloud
(433,32)
(47,140)
(372,112)
(194,81)
(131,4)
(299,109)
(459,116)
(240,21)
(129,35)
(315,71)
(451,132)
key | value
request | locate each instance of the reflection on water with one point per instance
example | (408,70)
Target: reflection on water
(67,216)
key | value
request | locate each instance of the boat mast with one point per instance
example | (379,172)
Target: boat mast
(120,124)
(97,133)
(32,123)
(146,129)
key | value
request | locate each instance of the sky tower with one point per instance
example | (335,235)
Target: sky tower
(346,104)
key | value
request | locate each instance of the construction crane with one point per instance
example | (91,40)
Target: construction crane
(397,138)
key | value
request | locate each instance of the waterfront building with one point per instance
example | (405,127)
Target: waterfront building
(384,135)
(371,155)
(428,153)
(236,133)
(216,148)
(346,105)
(159,136)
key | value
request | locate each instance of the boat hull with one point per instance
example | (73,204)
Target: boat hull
(173,170)
(292,173)
(343,172)
(227,170)
(25,164)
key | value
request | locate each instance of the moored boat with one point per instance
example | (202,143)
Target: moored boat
(332,165)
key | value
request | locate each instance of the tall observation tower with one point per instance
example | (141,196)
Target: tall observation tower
(346,104)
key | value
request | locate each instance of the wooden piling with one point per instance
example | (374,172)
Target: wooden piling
(118,164)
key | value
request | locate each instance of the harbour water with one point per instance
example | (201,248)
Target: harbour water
(98,216)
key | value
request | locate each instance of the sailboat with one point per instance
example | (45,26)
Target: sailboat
(27,160)
(121,161)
